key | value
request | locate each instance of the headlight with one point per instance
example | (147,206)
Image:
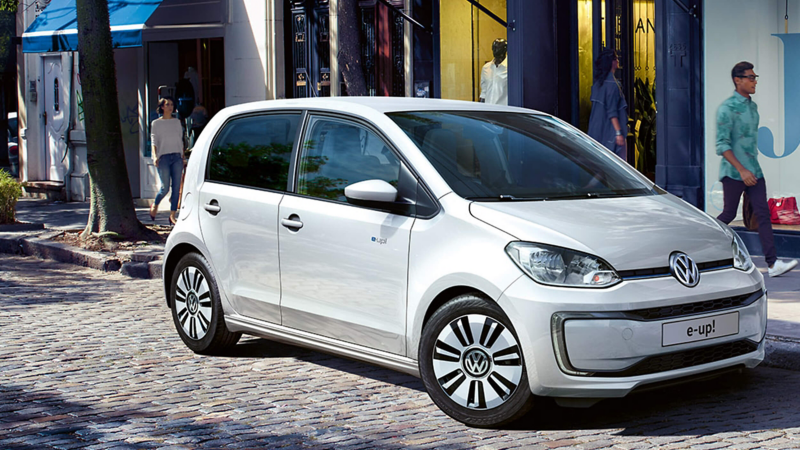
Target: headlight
(741,257)
(557,266)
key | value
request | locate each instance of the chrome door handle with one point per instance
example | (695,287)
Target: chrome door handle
(291,223)
(212,207)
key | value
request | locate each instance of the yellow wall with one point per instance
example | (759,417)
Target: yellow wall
(644,40)
(466,36)
(585,62)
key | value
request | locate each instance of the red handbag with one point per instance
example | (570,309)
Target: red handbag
(783,211)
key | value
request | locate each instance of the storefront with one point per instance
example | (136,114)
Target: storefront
(216,46)
(767,34)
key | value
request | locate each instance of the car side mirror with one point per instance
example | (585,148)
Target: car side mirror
(377,194)
(377,191)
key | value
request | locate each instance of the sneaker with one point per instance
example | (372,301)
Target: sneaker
(781,267)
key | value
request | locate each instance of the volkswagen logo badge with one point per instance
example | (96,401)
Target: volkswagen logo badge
(684,269)
(476,363)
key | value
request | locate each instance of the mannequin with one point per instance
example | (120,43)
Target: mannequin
(494,76)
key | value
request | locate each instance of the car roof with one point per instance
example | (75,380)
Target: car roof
(365,105)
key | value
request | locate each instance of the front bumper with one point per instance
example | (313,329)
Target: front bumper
(599,343)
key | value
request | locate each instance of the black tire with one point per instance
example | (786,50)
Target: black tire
(196,308)
(487,366)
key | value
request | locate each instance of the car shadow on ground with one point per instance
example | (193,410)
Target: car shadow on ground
(748,401)
(264,348)
(753,400)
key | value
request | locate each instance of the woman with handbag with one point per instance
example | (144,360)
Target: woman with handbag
(167,138)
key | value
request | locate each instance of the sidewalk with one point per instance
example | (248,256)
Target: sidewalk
(783,326)
(71,216)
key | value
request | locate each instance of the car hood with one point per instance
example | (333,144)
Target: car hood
(628,232)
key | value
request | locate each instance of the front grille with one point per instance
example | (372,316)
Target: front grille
(684,359)
(656,272)
(687,309)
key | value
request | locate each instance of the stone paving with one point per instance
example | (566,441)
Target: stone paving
(91,360)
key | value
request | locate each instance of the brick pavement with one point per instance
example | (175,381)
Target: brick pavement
(91,360)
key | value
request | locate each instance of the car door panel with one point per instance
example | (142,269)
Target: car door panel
(242,240)
(344,272)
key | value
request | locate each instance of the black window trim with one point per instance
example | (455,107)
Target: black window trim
(270,112)
(361,121)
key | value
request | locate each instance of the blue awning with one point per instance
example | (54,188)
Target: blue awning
(56,28)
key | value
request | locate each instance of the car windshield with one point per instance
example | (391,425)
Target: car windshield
(501,156)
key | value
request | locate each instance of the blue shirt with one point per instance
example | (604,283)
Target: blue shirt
(737,130)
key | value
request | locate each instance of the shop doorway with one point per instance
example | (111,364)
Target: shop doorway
(628,26)
(198,63)
(56,119)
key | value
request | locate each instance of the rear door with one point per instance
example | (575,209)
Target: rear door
(246,178)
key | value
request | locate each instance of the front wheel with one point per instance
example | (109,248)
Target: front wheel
(472,364)
(196,308)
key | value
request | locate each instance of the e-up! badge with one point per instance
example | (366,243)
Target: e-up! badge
(378,240)
(693,330)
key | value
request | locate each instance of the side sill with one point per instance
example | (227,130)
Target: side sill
(321,343)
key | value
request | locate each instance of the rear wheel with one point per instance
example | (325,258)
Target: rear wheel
(196,308)
(472,364)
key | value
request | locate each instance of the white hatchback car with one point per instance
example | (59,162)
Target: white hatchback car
(496,252)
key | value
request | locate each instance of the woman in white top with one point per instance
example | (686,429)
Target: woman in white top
(167,139)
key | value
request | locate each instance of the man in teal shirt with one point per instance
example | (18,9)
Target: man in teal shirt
(739,171)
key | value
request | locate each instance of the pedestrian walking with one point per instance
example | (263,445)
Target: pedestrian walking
(608,121)
(167,139)
(739,171)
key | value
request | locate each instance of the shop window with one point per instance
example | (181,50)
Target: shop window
(466,35)
(628,27)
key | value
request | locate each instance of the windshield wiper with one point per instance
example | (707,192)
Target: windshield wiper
(504,198)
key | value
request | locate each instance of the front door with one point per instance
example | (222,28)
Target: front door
(56,117)
(247,176)
(344,268)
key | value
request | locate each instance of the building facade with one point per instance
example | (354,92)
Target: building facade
(674,57)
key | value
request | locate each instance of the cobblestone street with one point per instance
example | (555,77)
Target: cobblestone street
(91,360)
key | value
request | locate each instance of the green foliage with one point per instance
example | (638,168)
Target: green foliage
(645,113)
(8,5)
(8,24)
(320,187)
(10,192)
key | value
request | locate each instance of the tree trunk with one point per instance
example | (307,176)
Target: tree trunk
(350,48)
(111,200)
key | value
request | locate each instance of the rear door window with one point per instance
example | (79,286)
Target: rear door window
(255,151)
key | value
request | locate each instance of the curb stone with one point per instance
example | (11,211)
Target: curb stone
(145,264)
(782,353)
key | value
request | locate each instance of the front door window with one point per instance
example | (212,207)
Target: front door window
(340,153)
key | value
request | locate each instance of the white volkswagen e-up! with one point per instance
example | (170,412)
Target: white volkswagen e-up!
(496,252)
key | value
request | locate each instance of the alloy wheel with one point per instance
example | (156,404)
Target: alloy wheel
(193,303)
(477,362)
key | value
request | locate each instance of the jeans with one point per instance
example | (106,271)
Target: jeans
(170,168)
(732,192)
